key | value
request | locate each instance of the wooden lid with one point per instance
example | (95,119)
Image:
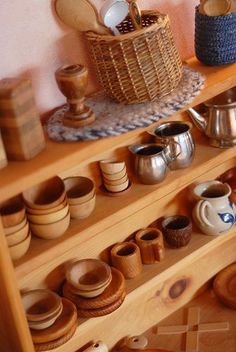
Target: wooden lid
(89,313)
(64,323)
(111,294)
(55,343)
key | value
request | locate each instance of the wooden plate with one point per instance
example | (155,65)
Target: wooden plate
(224,286)
(90,313)
(111,294)
(55,343)
(64,323)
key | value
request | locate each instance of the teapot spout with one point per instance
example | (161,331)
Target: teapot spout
(199,121)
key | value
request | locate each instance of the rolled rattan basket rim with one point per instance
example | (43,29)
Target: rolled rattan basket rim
(135,33)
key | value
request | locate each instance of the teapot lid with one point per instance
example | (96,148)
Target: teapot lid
(225,99)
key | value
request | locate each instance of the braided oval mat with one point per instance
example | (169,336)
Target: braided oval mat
(113,119)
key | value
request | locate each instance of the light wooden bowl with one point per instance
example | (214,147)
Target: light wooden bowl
(12,212)
(12,229)
(115,176)
(18,250)
(45,323)
(79,189)
(119,181)
(18,236)
(47,211)
(117,188)
(111,166)
(53,230)
(90,293)
(41,304)
(88,274)
(45,195)
(48,218)
(83,210)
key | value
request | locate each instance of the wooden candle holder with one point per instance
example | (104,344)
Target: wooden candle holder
(72,81)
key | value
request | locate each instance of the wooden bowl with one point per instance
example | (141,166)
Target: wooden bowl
(79,189)
(115,176)
(111,166)
(48,218)
(117,188)
(47,211)
(18,236)
(91,293)
(45,323)
(41,304)
(12,229)
(18,250)
(45,195)
(88,274)
(83,210)
(119,181)
(12,212)
(53,230)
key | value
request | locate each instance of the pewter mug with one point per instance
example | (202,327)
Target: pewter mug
(151,162)
(219,124)
(178,137)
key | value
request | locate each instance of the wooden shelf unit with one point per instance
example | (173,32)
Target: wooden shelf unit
(149,295)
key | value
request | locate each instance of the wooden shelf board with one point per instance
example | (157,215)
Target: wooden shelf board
(113,210)
(146,287)
(58,157)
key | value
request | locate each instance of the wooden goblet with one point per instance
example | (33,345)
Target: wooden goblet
(72,81)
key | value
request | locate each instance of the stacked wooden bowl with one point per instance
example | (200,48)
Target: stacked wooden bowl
(95,287)
(115,176)
(52,319)
(47,208)
(81,196)
(15,227)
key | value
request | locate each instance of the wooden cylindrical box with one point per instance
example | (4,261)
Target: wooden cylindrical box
(22,132)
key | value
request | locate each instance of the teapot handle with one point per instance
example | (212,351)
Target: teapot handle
(200,212)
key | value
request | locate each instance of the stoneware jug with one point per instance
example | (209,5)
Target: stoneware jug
(214,213)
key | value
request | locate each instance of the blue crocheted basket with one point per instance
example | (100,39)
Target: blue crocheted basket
(215,38)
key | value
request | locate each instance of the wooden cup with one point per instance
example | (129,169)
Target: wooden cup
(126,258)
(150,242)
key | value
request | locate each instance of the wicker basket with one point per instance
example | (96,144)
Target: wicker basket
(215,38)
(139,65)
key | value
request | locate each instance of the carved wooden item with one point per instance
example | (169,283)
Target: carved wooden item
(72,81)
(225,286)
(22,132)
(150,242)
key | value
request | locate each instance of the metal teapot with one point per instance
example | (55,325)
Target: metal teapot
(220,121)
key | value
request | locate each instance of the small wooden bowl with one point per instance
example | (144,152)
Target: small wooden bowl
(119,181)
(111,166)
(41,304)
(177,230)
(91,293)
(18,236)
(115,176)
(12,229)
(117,188)
(45,323)
(88,274)
(49,218)
(18,250)
(79,189)
(53,230)
(12,212)
(47,211)
(45,195)
(83,210)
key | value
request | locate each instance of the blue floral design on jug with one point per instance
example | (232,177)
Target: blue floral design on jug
(227,218)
